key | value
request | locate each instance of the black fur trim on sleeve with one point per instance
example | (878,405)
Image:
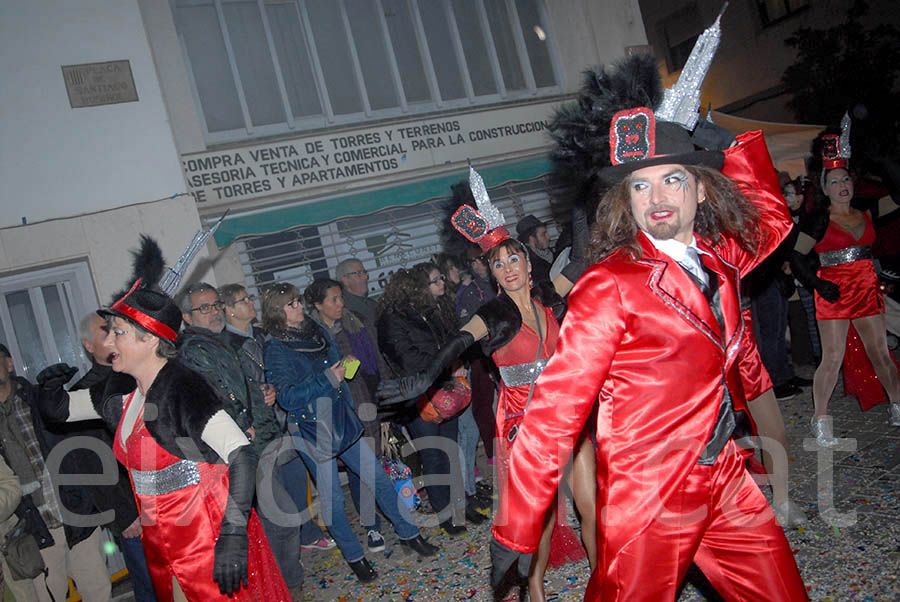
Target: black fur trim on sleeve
(503,321)
(106,396)
(179,405)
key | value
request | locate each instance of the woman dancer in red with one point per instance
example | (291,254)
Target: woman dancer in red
(519,333)
(200,536)
(846,285)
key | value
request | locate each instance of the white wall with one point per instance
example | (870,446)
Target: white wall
(57,161)
(589,33)
(105,239)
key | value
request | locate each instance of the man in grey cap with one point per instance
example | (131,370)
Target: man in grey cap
(532,232)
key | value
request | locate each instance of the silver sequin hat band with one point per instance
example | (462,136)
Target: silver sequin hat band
(832,258)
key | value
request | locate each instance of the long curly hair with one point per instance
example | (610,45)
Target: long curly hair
(409,288)
(726,212)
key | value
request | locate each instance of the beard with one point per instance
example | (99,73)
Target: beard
(666,229)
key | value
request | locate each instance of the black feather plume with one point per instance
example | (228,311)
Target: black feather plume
(461,194)
(580,130)
(147,264)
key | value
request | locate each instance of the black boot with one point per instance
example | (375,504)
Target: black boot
(473,516)
(451,529)
(419,545)
(479,504)
(364,571)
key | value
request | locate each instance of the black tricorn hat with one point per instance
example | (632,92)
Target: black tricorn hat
(143,304)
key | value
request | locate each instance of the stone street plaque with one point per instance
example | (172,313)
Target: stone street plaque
(94,84)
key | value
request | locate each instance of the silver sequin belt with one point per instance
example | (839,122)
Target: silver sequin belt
(522,374)
(173,477)
(831,258)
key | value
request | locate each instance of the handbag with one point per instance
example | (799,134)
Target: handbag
(442,403)
(401,478)
(326,436)
(22,553)
(395,445)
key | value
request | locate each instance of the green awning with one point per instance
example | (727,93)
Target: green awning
(327,210)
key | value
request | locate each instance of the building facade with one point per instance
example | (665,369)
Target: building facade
(324,128)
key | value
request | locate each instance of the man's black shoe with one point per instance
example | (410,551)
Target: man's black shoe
(364,571)
(479,504)
(451,529)
(799,381)
(473,516)
(785,391)
(418,545)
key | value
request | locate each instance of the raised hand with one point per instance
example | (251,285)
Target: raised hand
(55,376)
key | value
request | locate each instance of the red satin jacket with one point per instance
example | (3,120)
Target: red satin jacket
(640,341)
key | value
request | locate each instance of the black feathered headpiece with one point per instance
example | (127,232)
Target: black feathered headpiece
(143,302)
(611,130)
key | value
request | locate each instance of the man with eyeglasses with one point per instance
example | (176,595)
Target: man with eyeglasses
(239,378)
(353,275)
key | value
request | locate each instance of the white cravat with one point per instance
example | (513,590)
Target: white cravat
(687,256)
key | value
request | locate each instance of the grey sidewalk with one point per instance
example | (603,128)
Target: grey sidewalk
(859,561)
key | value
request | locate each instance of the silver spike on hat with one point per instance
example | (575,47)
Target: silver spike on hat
(487,209)
(172,278)
(844,150)
(681,102)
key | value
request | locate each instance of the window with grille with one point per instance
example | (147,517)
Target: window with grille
(394,238)
(266,67)
(40,312)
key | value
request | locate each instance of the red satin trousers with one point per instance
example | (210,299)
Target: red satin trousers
(722,522)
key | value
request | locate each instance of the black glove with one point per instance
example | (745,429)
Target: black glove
(54,377)
(230,556)
(710,136)
(397,390)
(52,399)
(502,559)
(805,268)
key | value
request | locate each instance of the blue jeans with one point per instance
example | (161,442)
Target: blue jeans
(437,447)
(770,320)
(133,553)
(368,518)
(468,446)
(359,459)
(296,487)
(281,517)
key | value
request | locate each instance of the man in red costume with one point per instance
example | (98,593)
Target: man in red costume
(651,340)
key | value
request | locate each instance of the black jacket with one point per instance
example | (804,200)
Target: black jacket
(71,497)
(409,340)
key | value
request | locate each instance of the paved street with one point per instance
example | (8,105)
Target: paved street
(845,558)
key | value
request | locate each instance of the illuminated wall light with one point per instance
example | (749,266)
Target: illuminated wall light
(539,32)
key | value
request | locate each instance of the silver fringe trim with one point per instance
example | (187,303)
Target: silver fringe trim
(831,258)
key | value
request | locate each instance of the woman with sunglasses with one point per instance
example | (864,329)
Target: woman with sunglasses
(305,366)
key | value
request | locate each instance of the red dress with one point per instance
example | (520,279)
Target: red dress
(180,526)
(514,361)
(522,349)
(860,295)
